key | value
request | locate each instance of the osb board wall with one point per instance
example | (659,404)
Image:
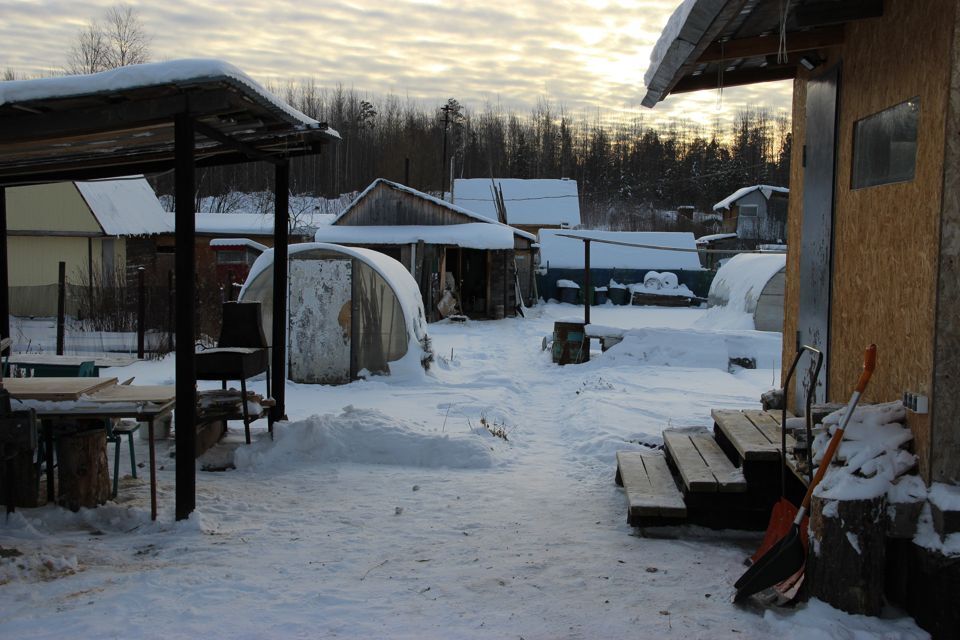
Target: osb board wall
(945,430)
(886,237)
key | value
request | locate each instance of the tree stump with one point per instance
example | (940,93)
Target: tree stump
(83,474)
(847,554)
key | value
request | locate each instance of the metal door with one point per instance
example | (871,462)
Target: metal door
(816,250)
(320,317)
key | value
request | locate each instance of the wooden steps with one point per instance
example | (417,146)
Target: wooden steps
(729,478)
(701,463)
(652,494)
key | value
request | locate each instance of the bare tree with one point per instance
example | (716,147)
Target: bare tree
(117,41)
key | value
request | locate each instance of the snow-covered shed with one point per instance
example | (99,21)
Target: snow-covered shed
(444,246)
(351,311)
(97,228)
(757,214)
(529,204)
(638,252)
(749,288)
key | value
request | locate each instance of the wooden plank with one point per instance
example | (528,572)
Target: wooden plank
(649,485)
(769,426)
(55,389)
(749,442)
(729,478)
(693,469)
(160,394)
(73,361)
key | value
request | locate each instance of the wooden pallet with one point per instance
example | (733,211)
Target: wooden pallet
(702,465)
(652,494)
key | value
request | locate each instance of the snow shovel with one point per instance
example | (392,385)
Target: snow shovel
(783,513)
(787,557)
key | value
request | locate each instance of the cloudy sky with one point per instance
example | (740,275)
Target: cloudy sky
(588,56)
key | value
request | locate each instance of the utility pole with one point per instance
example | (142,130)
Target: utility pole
(443,164)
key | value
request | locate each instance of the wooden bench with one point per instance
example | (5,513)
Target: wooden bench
(652,494)
(702,464)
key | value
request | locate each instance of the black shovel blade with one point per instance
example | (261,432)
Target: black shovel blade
(782,561)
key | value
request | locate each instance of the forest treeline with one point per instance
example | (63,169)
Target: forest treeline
(626,171)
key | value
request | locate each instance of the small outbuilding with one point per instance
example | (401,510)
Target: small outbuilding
(751,285)
(487,266)
(351,311)
(757,214)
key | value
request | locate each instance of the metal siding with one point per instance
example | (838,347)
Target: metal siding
(320,321)
(816,258)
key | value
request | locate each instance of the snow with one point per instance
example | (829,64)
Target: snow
(528,201)
(344,526)
(126,207)
(238,242)
(928,538)
(185,73)
(765,189)
(736,289)
(472,235)
(559,251)
(702,240)
(239,224)
(563,283)
(945,496)
(668,38)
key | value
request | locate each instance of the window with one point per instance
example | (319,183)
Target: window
(231,257)
(885,146)
(749,210)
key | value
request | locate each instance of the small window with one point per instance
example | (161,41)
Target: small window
(885,146)
(749,210)
(231,257)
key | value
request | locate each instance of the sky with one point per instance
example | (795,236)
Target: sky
(586,56)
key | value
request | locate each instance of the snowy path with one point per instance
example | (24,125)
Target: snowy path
(531,544)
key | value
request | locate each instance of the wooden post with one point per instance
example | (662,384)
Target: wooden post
(586,282)
(141,312)
(170,307)
(4,278)
(281,187)
(61,304)
(186,372)
(83,472)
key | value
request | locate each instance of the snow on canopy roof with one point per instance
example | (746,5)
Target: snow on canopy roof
(180,72)
(713,237)
(567,253)
(238,242)
(126,207)
(547,202)
(472,235)
(765,189)
(437,201)
(396,275)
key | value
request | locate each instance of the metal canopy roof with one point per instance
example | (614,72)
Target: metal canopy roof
(726,43)
(105,133)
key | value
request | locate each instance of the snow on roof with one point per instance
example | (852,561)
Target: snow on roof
(765,189)
(472,235)
(437,201)
(548,202)
(567,253)
(396,275)
(126,207)
(667,38)
(715,237)
(238,242)
(181,72)
(254,224)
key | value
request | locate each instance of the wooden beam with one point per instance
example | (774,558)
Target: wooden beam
(186,372)
(251,152)
(4,277)
(770,45)
(735,78)
(281,190)
(824,13)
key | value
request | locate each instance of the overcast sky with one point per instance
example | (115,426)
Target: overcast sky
(588,56)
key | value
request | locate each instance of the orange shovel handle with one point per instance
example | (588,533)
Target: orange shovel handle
(869,364)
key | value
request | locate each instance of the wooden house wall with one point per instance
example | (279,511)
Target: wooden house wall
(387,206)
(501,288)
(885,237)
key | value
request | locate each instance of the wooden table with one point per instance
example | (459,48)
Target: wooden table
(43,364)
(94,399)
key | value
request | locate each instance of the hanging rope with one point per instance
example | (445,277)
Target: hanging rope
(782,49)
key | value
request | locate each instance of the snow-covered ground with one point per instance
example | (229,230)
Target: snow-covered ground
(386,509)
